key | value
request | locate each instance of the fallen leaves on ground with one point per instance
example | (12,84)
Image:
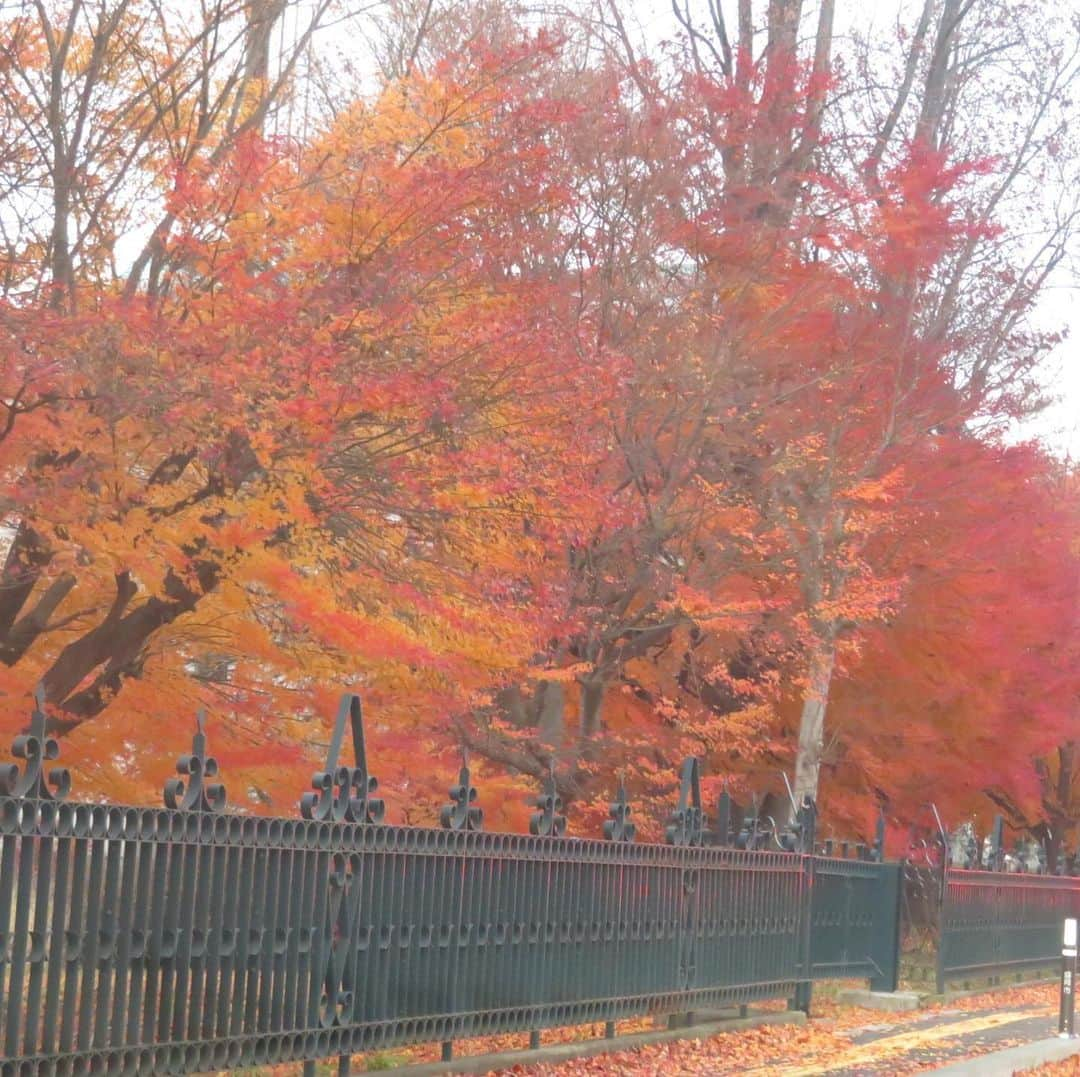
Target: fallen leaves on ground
(1068,1067)
(779,1050)
(827,1041)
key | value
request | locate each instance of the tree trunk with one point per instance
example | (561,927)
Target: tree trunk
(552,700)
(115,648)
(27,555)
(812,722)
(1052,844)
(15,642)
(592,704)
(592,701)
(60,245)
(262,17)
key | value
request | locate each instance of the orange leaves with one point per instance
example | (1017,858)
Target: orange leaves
(565,411)
(326,454)
(565,674)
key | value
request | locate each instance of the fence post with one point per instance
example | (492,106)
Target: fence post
(939,970)
(942,902)
(888,977)
(997,844)
(806,821)
(1067,1007)
(723,820)
(879,837)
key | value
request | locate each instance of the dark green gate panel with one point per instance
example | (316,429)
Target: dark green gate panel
(855,921)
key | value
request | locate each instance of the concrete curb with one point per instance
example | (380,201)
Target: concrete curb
(566,1052)
(950,996)
(905,1001)
(1014,1060)
(886,1001)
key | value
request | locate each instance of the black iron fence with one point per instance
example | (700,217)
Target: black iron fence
(189,939)
(984,914)
(994,923)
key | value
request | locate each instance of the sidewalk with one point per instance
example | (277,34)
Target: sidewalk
(1034,1058)
(957,1041)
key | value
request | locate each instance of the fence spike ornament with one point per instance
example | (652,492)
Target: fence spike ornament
(548,822)
(461,813)
(35,748)
(196,793)
(756,831)
(722,834)
(687,824)
(806,821)
(997,844)
(879,836)
(619,827)
(344,794)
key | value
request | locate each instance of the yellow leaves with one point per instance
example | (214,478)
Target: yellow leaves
(424,116)
(726,604)
(562,674)
(879,490)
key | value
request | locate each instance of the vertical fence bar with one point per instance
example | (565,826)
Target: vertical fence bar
(168,939)
(57,920)
(209,895)
(139,943)
(227,948)
(24,878)
(1067,1004)
(123,919)
(39,952)
(107,965)
(75,935)
(8,848)
(806,820)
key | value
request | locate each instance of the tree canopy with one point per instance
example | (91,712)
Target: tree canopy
(582,403)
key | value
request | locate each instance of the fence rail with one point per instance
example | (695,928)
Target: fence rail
(186,939)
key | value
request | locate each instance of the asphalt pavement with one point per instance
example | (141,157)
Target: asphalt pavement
(987,1042)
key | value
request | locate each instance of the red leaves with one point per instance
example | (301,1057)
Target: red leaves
(563,411)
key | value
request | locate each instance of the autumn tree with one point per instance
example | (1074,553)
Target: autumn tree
(379,492)
(799,313)
(911,203)
(966,696)
(588,404)
(103,105)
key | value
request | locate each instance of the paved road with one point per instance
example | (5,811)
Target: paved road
(927,1041)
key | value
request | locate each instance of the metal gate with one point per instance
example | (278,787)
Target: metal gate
(855,921)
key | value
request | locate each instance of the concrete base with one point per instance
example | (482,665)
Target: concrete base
(887,1001)
(1014,1060)
(1007,985)
(566,1052)
(902,1001)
